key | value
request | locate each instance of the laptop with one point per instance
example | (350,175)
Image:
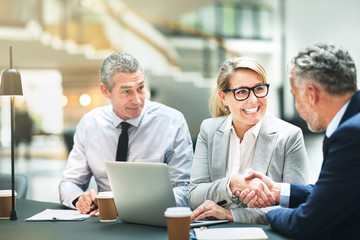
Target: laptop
(142,192)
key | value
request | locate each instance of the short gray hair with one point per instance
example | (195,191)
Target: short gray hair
(329,65)
(117,62)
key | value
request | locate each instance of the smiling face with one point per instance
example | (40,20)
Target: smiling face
(249,112)
(303,106)
(127,95)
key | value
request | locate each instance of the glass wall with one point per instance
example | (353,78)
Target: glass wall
(41,102)
(230,19)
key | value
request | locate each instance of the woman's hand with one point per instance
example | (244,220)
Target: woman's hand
(257,188)
(250,198)
(209,209)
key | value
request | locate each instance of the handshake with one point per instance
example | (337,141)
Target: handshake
(255,189)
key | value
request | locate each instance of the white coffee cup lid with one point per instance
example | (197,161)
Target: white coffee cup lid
(6,193)
(178,212)
(107,194)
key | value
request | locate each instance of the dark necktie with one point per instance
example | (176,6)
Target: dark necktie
(325,145)
(122,147)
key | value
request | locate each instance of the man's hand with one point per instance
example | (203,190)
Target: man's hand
(257,188)
(249,196)
(88,202)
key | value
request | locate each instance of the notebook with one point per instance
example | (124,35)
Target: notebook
(142,192)
(237,233)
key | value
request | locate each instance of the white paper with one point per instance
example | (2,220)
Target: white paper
(237,233)
(58,215)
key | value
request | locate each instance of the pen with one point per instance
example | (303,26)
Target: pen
(221,203)
(91,204)
(192,236)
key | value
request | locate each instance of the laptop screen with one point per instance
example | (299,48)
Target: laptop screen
(142,191)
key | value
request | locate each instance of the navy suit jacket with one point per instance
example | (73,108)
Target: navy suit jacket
(330,209)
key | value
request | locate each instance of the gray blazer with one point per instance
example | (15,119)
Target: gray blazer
(279,153)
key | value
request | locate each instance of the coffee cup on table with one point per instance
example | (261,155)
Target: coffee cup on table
(6,203)
(107,209)
(178,221)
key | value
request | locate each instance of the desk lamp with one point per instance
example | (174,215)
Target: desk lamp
(11,86)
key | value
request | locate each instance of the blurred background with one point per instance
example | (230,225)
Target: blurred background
(59,45)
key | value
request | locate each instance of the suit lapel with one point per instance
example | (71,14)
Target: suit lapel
(263,151)
(265,145)
(220,151)
(353,108)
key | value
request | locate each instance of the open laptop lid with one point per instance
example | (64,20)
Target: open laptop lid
(142,191)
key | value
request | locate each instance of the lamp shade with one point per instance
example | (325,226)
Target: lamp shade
(11,83)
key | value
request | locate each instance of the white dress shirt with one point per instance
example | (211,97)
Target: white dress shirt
(240,153)
(160,134)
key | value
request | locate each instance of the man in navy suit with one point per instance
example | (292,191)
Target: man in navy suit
(323,82)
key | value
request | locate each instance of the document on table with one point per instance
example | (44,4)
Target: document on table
(58,215)
(236,233)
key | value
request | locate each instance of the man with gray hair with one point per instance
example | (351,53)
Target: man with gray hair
(156,133)
(323,82)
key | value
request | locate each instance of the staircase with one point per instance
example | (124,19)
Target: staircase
(77,47)
(187,92)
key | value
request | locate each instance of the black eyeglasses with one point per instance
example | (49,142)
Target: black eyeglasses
(242,93)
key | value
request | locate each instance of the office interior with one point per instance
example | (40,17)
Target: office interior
(59,45)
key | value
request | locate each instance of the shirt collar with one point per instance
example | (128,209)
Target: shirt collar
(254,129)
(333,125)
(228,124)
(133,121)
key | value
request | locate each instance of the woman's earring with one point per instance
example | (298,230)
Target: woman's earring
(226,108)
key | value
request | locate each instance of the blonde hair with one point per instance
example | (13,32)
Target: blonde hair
(226,71)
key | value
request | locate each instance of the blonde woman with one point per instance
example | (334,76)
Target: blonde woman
(242,136)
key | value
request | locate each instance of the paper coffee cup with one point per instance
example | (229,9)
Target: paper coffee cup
(5,203)
(107,207)
(178,221)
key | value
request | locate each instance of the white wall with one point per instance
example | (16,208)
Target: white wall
(309,22)
(336,21)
